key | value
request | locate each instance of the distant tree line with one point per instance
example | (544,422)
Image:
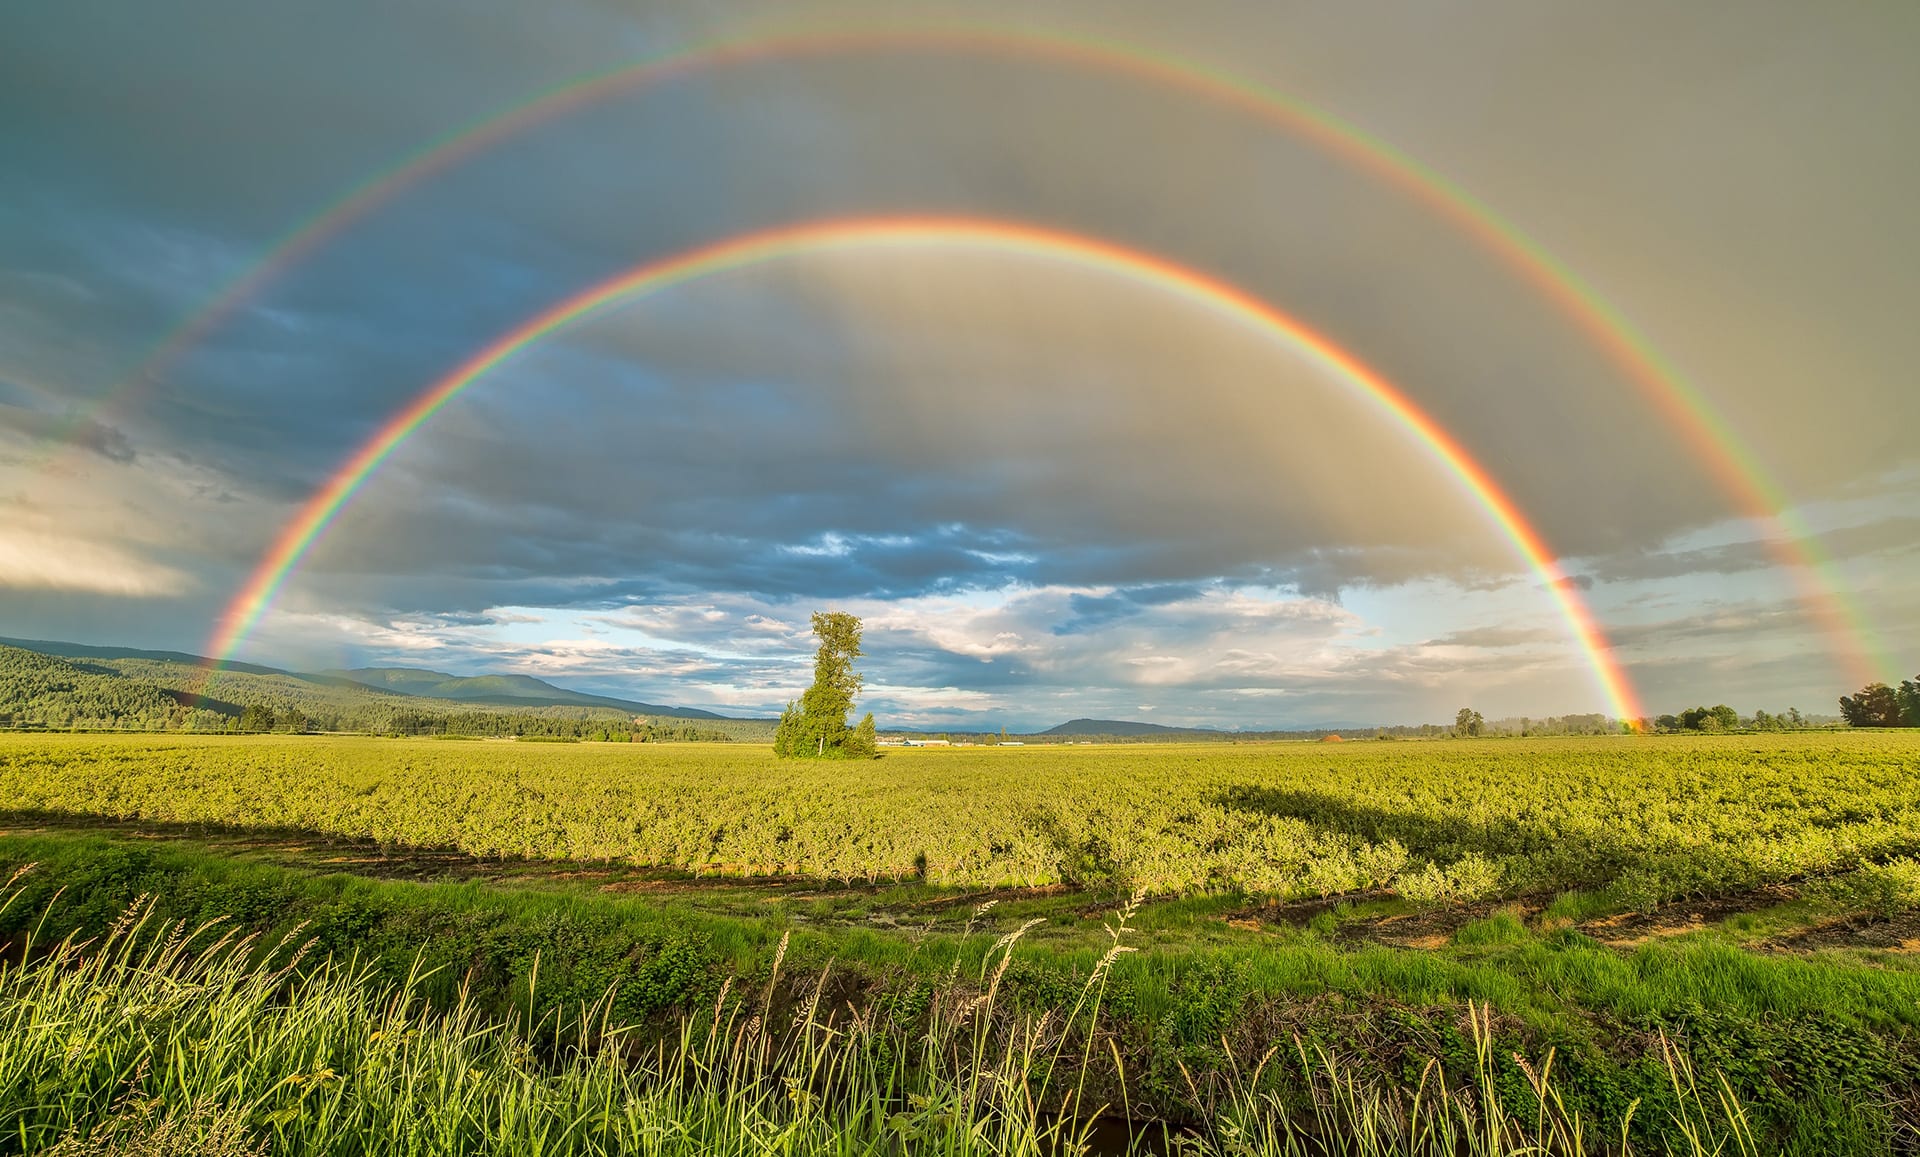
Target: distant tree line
(1720,718)
(261,717)
(1875,705)
(505,725)
(1878,705)
(1469,724)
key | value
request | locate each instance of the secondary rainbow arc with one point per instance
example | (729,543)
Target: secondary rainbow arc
(326,504)
(1733,464)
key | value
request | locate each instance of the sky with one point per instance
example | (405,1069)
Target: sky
(1049,489)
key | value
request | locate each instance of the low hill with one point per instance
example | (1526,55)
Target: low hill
(1089,727)
(501,690)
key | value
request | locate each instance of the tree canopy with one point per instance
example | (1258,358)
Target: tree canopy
(1878,705)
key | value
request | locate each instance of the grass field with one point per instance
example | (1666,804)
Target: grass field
(1741,907)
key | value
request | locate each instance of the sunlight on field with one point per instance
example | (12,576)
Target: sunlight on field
(1650,819)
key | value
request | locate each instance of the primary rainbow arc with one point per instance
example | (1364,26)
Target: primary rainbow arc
(320,510)
(1733,464)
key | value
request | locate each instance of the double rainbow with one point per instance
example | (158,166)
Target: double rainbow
(1718,447)
(325,506)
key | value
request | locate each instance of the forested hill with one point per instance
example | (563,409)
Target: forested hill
(150,690)
(41,689)
(89,652)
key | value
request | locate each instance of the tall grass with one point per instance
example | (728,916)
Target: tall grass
(156,1039)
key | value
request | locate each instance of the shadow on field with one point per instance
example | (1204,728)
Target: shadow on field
(296,845)
(361,856)
(1421,833)
(263,836)
(1578,858)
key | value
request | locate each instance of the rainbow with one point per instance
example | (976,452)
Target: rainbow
(1733,464)
(321,510)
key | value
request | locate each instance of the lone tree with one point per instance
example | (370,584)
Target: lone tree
(816,727)
(1468,723)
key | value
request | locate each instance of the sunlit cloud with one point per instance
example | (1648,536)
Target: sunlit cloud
(39,559)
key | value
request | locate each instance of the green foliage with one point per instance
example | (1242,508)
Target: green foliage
(862,742)
(466,949)
(1716,718)
(1651,818)
(787,734)
(149,1127)
(1470,878)
(817,726)
(1836,1038)
(1499,928)
(1885,890)
(40,690)
(1878,705)
(667,729)
(152,1027)
(1467,723)
(260,717)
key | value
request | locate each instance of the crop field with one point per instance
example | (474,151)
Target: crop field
(1607,945)
(1647,820)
